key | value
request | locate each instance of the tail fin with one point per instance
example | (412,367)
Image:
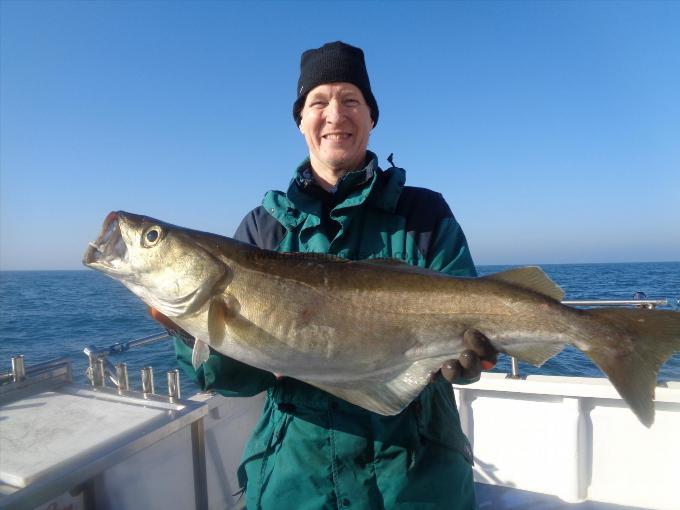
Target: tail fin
(654,336)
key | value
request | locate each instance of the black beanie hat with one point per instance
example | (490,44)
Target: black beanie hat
(333,62)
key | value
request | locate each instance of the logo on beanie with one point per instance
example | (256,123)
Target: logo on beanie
(301,89)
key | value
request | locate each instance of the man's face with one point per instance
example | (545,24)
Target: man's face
(336,122)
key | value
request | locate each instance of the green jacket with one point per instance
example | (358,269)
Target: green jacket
(311,450)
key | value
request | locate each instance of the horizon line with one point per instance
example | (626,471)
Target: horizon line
(476,265)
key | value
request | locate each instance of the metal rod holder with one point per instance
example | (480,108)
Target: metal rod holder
(18,368)
(147,380)
(99,373)
(515,368)
(122,375)
(174,391)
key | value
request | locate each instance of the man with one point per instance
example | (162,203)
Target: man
(311,450)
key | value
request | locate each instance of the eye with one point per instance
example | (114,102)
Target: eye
(317,103)
(151,236)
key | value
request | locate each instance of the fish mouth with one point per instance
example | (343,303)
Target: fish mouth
(109,251)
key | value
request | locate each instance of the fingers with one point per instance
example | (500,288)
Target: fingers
(469,360)
(481,345)
(467,366)
(451,370)
(479,355)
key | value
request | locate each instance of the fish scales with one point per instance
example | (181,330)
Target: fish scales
(370,332)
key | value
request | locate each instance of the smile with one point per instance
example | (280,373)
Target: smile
(336,137)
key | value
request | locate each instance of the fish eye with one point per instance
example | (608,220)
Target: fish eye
(151,236)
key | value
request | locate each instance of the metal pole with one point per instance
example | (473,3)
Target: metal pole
(515,367)
(122,374)
(99,376)
(200,472)
(135,344)
(173,385)
(147,380)
(91,360)
(18,368)
(93,353)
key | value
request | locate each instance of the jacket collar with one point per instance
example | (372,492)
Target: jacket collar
(302,203)
(304,179)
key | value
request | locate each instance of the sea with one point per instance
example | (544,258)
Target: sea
(51,314)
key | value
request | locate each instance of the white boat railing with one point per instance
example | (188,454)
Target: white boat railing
(642,303)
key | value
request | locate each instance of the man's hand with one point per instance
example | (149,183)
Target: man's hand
(479,355)
(172,328)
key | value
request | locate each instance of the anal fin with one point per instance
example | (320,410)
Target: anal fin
(391,397)
(534,353)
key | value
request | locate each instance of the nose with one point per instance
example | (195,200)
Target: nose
(334,111)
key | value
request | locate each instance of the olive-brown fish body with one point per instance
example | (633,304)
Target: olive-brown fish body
(371,332)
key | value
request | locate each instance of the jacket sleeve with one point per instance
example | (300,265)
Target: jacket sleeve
(221,373)
(448,251)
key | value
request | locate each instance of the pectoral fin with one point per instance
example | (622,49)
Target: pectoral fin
(222,309)
(200,354)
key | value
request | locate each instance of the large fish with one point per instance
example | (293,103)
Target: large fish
(370,332)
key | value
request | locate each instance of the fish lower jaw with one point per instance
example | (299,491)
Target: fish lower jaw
(103,259)
(105,268)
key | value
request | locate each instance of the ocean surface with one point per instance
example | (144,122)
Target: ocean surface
(48,314)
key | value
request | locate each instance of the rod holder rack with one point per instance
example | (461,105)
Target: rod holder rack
(23,375)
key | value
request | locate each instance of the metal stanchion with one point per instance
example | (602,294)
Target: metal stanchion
(174,391)
(122,375)
(18,368)
(147,381)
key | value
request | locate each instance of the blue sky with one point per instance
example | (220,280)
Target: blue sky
(552,129)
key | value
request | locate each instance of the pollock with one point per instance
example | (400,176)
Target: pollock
(373,331)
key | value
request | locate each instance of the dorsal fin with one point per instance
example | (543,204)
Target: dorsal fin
(532,278)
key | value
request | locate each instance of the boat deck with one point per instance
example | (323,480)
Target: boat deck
(494,497)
